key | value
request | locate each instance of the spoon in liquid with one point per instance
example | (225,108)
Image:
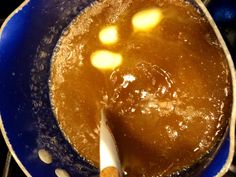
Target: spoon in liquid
(109,158)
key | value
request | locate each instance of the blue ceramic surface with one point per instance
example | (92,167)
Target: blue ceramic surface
(26,47)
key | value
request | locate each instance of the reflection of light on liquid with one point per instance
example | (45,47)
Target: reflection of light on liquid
(128,78)
(146,20)
(108,35)
(106,60)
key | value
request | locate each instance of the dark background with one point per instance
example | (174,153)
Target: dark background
(224,13)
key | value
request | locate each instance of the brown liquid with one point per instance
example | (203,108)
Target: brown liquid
(175,106)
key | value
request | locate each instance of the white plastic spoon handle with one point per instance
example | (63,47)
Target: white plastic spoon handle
(108,149)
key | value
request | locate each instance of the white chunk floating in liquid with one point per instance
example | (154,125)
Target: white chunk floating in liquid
(147,19)
(106,60)
(108,35)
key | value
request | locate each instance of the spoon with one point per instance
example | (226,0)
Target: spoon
(109,158)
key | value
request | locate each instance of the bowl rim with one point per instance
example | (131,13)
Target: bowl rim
(232,122)
(3,131)
(229,160)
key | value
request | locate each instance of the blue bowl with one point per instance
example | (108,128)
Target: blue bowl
(27,40)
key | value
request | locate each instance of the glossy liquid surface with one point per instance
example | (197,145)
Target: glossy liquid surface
(167,93)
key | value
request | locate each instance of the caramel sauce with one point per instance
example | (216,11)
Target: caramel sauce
(168,97)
